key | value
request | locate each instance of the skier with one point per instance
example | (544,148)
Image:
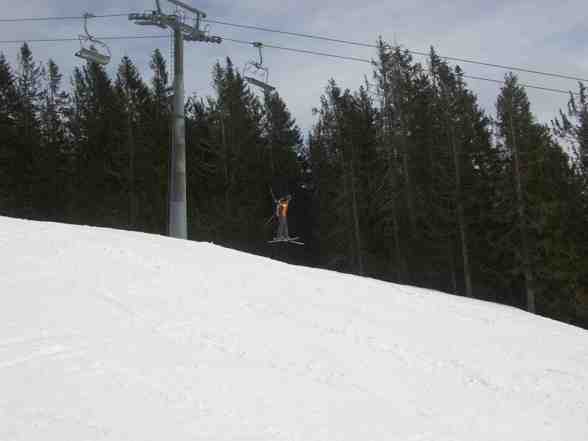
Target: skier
(282,215)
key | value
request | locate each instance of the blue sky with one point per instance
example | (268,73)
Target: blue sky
(541,35)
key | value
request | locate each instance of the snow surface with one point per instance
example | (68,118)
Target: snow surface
(112,335)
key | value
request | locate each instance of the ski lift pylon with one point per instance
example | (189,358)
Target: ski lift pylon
(88,44)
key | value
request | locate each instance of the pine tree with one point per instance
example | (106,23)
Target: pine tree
(328,168)
(388,211)
(159,133)
(30,96)
(282,137)
(516,125)
(135,99)
(467,142)
(573,126)
(9,145)
(528,147)
(97,125)
(407,103)
(342,151)
(54,145)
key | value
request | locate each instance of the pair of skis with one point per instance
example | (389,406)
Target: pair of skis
(294,240)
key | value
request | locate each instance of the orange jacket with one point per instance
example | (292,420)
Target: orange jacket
(282,209)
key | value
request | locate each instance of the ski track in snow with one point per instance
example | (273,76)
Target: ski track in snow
(111,335)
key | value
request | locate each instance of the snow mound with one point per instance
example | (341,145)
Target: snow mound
(112,335)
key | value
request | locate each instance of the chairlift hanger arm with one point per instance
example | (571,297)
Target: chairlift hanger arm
(198,12)
(259,45)
(88,15)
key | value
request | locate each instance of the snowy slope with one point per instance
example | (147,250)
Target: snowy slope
(111,335)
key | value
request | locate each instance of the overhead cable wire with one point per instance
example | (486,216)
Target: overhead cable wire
(324,38)
(304,51)
(272,46)
(374,46)
(73,17)
(365,60)
(59,40)
(548,89)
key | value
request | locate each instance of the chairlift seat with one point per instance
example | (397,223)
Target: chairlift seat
(266,87)
(93,56)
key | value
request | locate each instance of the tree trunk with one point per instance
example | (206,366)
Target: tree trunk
(226,166)
(132,195)
(271,150)
(356,229)
(407,177)
(347,211)
(451,258)
(529,280)
(401,271)
(402,267)
(460,211)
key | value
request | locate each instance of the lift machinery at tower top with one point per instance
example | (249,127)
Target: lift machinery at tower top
(177,22)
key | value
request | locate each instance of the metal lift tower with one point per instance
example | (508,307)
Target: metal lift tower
(178,210)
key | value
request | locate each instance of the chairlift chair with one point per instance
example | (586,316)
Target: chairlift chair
(256,68)
(88,44)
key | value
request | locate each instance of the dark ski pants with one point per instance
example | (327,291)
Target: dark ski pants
(282,228)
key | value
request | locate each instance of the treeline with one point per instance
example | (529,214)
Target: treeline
(416,184)
(406,179)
